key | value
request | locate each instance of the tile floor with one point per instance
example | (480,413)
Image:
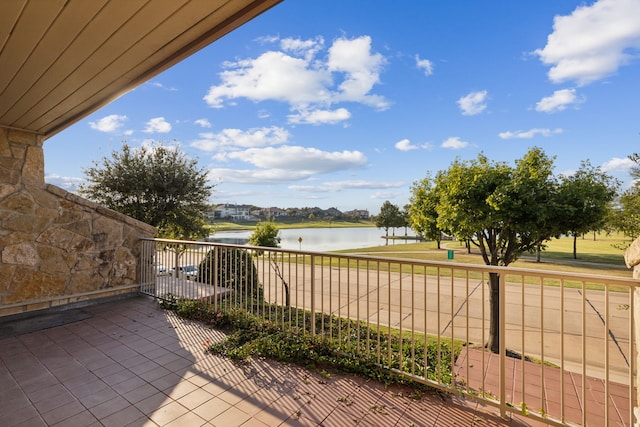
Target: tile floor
(134,364)
(543,392)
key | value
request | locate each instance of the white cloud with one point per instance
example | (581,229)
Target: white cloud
(528,134)
(256,176)
(317,117)
(335,186)
(109,123)
(617,164)
(161,86)
(203,123)
(286,164)
(296,76)
(158,125)
(593,41)
(455,143)
(305,48)
(384,195)
(362,69)
(272,76)
(236,138)
(425,64)
(69,183)
(473,103)
(300,159)
(405,145)
(559,101)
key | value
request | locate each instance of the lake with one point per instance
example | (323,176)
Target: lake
(319,239)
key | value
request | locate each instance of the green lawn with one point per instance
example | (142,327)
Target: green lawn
(600,256)
(593,257)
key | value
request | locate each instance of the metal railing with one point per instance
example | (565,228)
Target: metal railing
(566,348)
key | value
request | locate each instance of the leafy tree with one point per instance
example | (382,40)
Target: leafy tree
(626,218)
(406,222)
(586,197)
(158,185)
(423,214)
(266,235)
(496,207)
(389,217)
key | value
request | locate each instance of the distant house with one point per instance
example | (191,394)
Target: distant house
(332,212)
(235,212)
(357,213)
(270,212)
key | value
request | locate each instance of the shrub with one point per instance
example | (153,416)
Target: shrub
(231,268)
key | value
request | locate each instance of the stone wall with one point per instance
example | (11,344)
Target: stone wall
(54,244)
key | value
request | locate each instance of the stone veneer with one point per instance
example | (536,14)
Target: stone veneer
(55,244)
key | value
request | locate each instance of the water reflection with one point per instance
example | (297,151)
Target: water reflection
(318,239)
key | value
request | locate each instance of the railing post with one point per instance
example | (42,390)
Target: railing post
(632,259)
(503,345)
(313,296)
(635,324)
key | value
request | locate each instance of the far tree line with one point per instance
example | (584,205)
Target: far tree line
(584,203)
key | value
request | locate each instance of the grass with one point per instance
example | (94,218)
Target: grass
(600,256)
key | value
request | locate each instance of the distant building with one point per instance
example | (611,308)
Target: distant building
(332,212)
(270,212)
(235,212)
(357,213)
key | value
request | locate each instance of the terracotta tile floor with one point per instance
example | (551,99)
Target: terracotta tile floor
(543,391)
(135,364)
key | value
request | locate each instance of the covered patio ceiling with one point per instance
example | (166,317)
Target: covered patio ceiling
(61,60)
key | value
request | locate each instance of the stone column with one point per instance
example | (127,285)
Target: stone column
(632,259)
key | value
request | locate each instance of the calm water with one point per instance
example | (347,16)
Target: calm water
(320,239)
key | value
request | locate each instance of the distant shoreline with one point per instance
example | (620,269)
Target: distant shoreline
(286,224)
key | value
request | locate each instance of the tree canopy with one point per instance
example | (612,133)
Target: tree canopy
(423,214)
(586,197)
(155,184)
(389,217)
(508,210)
(265,234)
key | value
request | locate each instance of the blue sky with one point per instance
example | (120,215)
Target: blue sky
(346,104)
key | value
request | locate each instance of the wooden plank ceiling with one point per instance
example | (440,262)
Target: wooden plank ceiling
(61,60)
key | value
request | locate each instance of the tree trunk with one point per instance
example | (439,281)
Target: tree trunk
(276,268)
(538,250)
(575,246)
(494,307)
(438,242)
